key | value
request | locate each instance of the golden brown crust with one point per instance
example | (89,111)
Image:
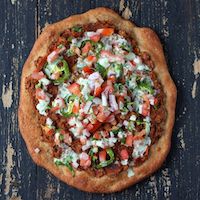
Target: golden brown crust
(30,129)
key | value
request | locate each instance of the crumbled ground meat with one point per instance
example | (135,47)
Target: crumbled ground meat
(53,90)
(113,169)
(57,151)
(76,145)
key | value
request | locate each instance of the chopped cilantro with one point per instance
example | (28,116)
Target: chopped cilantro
(77,29)
(99,68)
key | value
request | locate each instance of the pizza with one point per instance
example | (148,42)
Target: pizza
(97,103)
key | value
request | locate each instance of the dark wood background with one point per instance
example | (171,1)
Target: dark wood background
(177,22)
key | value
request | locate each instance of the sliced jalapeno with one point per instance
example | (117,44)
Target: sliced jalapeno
(107,162)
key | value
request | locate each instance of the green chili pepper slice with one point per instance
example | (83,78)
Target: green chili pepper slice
(107,162)
(55,67)
(67,164)
(66,73)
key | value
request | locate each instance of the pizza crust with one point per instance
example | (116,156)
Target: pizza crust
(31,131)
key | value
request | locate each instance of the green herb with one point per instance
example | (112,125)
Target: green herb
(101,70)
(69,39)
(131,126)
(118,70)
(118,87)
(126,47)
(67,164)
(77,29)
(123,140)
(60,46)
(90,98)
(116,131)
(124,109)
(38,85)
(48,107)
(68,113)
(107,162)
(98,47)
(139,122)
(155,107)
(145,85)
(69,52)
(61,137)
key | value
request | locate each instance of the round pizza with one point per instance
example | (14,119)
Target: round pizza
(97,103)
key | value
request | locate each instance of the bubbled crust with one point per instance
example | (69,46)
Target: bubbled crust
(30,129)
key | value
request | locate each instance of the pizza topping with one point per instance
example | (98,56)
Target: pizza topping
(99,98)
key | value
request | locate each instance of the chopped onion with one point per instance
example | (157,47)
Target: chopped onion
(104,99)
(87,107)
(84,156)
(97,100)
(113,102)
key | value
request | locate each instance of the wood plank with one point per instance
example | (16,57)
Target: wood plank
(17,170)
(177,24)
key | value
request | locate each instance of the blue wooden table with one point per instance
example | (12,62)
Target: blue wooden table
(177,22)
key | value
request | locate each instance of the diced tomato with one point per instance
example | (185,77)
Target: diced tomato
(74,88)
(120,99)
(86,48)
(83,140)
(145,111)
(106,53)
(102,116)
(40,95)
(155,101)
(124,154)
(106,31)
(89,127)
(110,118)
(140,135)
(95,109)
(97,91)
(91,58)
(97,135)
(85,160)
(95,38)
(47,130)
(102,156)
(50,132)
(55,54)
(112,78)
(67,138)
(129,140)
(37,75)
(54,109)
(56,75)
(93,127)
(146,106)
(133,63)
(75,108)
(146,152)
(87,70)
(110,86)
(41,62)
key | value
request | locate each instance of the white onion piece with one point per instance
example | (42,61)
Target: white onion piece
(97,100)
(86,133)
(104,99)
(113,103)
(84,156)
(87,107)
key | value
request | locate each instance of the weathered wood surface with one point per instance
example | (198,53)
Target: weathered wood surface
(178,26)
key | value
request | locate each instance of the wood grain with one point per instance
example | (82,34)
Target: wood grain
(177,24)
